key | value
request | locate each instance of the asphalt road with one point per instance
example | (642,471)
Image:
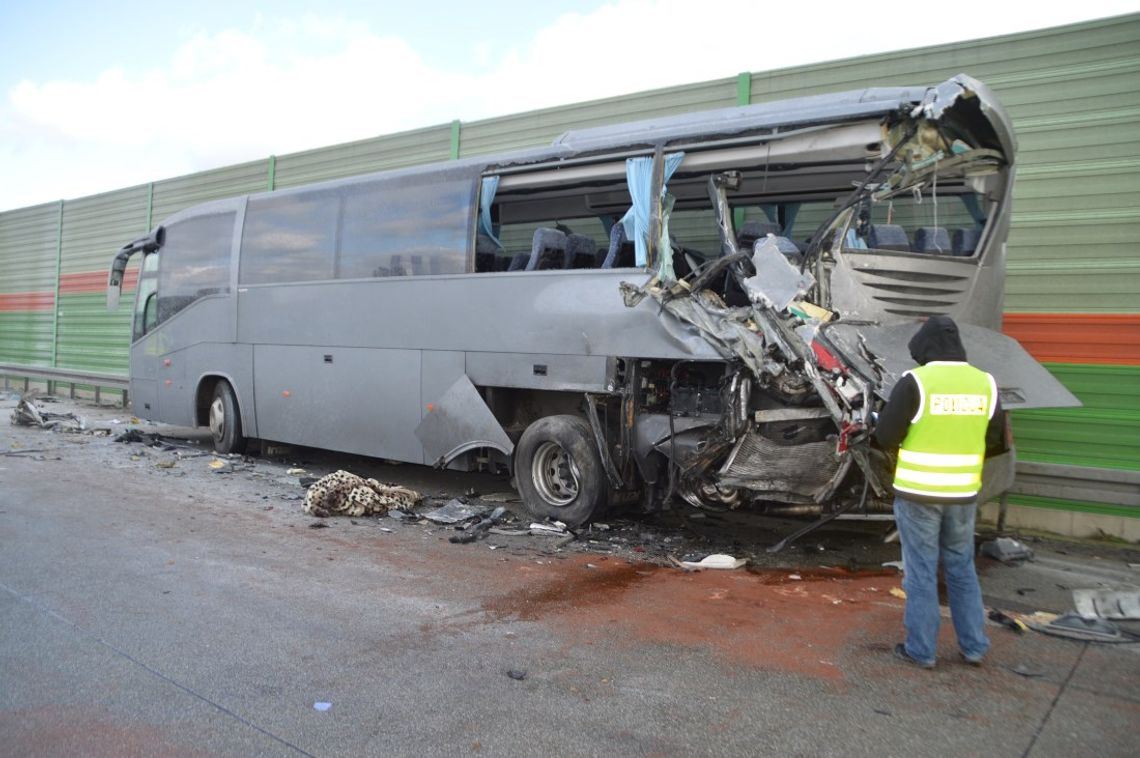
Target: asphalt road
(147,610)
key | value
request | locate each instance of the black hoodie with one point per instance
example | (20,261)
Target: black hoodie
(936,340)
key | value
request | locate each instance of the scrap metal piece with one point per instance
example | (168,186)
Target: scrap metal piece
(458,422)
(777,282)
(454,512)
(27,413)
(817,524)
(1072,626)
(1107,604)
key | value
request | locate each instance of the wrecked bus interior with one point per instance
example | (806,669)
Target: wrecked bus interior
(698,310)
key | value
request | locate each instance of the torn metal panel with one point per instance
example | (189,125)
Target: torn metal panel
(777,282)
(1022,382)
(1107,604)
(461,421)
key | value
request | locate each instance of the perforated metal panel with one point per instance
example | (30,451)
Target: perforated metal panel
(28,242)
(378,154)
(89,337)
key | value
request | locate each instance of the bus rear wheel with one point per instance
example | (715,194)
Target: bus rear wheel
(225,420)
(559,471)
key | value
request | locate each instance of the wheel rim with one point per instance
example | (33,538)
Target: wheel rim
(555,475)
(218,418)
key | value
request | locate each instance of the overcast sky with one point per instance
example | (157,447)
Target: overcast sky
(97,96)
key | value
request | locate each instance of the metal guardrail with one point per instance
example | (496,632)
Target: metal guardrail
(70,377)
(1096,485)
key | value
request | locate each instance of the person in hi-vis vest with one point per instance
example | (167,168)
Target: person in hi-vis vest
(945,418)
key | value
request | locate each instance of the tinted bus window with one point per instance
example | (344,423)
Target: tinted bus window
(405,227)
(195,261)
(289,238)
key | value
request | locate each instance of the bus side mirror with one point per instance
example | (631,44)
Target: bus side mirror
(115,279)
(147,244)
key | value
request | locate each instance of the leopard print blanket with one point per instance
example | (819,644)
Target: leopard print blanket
(344,494)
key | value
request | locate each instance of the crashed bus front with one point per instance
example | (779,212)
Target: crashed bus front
(909,192)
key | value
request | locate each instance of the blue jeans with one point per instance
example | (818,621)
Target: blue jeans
(930,532)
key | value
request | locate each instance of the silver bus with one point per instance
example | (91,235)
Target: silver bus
(704,308)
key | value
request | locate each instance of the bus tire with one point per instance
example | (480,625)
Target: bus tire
(225,420)
(559,471)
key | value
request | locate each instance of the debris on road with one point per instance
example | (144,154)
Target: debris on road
(27,413)
(895,565)
(479,529)
(1107,604)
(1007,550)
(898,592)
(342,493)
(1007,621)
(322,706)
(26,451)
(715,561)
(1022,670)
(455,512)
(1072,626)
(517,675)
(553,529)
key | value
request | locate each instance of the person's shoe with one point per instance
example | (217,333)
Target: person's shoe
(903,655)
(972,660)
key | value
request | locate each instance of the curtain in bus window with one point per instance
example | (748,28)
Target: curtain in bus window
(195,261)
(486,198)
(289,237)
(406,226)
(974,208)
(639,177)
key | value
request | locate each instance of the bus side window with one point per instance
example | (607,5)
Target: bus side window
(150,312)
(405,227)
(289,237)
(146,302)
(195,261)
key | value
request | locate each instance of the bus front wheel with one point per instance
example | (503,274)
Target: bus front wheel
(559,471)
(225,420)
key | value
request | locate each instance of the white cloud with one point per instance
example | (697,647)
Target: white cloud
(293,84)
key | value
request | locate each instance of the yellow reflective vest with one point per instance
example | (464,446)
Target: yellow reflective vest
(942,454)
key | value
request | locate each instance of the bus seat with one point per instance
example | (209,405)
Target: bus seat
(579,251)
(964,240)
(888,237)
(547,250)
(750,231)
(518,262)
(934,240)
(621,253)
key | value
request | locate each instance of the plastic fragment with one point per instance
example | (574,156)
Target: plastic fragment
(716,561)
(320,706)
(1006,550)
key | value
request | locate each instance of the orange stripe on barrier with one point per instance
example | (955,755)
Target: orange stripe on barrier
(1108,338)
(89,282)
(27,301)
